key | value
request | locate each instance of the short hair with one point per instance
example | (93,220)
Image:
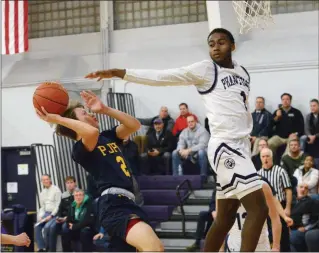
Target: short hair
(286,94)
(183,104)
(268,151)
(292,140)
(191,116)
(69,178)
(314,101)
(78,190)
(261,98)
(46,175)
(224,31)
(263,138)
(69,113)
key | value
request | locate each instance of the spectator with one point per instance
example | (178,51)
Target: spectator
(79,224)
(163,114)
(279,180)
(262,143)
(261,123)
(160,144)
(66,201)
(192,145)
(308,175)
(205,217)
(293,160)
(181,121)
(50,198)
(130,152)
(312,129)
(288,123)
(305,215)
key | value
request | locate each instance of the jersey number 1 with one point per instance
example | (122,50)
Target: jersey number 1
(243,94)
(122,163)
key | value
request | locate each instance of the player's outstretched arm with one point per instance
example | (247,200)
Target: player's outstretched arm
(128,125)
(195,74)
(274,217)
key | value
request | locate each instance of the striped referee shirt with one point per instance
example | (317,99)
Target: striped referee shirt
(279,180)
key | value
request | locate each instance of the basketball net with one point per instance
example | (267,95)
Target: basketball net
(252,14)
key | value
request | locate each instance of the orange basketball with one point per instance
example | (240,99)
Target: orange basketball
(52,96)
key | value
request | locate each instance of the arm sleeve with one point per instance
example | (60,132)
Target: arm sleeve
(57,201)
(300,124)
(41,210)
(285,179)
(307,125)
(203,142)
(314,178)
(170,125)
(181,141)
(198,74)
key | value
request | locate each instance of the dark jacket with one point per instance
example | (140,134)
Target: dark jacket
(85,217)
(168,123)
(165,143)
(290,122)
(65,204)
(304,206)
(311,127)
(261,123)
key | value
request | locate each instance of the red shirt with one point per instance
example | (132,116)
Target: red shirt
(181,123)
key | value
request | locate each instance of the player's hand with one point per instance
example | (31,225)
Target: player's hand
(98,236)
(312,139)
(48,117)
(92,101)
(289,221)
(101,74)
(22,240)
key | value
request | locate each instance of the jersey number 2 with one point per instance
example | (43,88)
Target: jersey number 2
(122,163)
(243,94)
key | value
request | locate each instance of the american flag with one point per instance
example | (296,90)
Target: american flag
(14,26)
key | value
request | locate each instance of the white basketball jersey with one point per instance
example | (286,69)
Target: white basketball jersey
(224,93)
(227,103)
(234,238)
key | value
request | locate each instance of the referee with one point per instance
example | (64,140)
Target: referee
(279,180)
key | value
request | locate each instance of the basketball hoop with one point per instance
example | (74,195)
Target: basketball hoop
(252,14)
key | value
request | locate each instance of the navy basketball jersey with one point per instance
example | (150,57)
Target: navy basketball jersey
(105,163)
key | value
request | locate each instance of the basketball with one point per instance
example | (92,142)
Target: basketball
(52,96)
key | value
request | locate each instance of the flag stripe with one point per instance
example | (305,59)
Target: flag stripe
(15,26)
(6,24)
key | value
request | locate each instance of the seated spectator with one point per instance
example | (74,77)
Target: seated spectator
(262,120)
(163,114)
(79,224)
(288,123)
(307,174)
(101,241)
(262,143)
(305,214)
(160,144)
(294,159)
(181,121)
(130,151)
(204,217)
(65,204)
(311,139)
(50,198)
(192,146)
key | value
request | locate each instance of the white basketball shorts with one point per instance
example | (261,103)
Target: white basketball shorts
(231,161)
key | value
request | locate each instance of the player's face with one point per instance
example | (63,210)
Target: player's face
(163,112)
(158,127)
(286,102)
(220,47)
(70,185)
(84,116)
(183,110)
(308,162)
(260,104)
(314,107)
(294,146)
(78,197)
